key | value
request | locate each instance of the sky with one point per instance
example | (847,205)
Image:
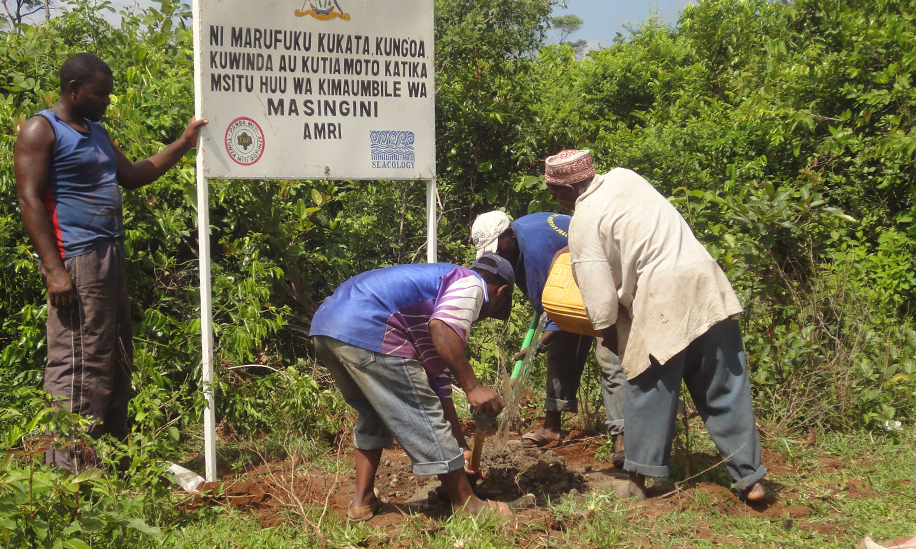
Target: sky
(603,19)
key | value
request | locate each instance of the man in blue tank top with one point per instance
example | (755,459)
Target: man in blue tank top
(529,243)
(69,175)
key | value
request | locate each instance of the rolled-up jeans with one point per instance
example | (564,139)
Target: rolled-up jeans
(566,356)
(714,369)
(395,401)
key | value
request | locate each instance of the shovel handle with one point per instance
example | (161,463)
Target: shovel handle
(532,327)
(479,436)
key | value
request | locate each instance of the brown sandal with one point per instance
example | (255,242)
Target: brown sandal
(506,510)
(364,512)
(528,501)
(503,509)
(537,440)
(500,507)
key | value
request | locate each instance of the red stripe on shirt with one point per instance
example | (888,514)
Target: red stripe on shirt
(51,208)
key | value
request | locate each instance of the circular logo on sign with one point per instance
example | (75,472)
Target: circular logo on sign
(244,141)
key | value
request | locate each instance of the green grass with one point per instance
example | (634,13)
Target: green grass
(854,485)
(232,529)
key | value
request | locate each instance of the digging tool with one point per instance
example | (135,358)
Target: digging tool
(528,337)
(484,422)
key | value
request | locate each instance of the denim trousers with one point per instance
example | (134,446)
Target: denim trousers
(566,356)
(395,401)
(714,369)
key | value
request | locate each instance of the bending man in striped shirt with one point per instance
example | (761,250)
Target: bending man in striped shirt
(390,338)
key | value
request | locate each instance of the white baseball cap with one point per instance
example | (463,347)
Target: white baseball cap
(486,230)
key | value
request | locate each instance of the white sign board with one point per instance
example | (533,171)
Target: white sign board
(325,89)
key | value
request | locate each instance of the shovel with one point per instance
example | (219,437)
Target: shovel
(483,422)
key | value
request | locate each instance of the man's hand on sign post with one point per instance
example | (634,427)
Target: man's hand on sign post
(192,132)
(133,175)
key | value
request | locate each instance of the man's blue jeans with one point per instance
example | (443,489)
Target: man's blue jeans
(394,400)
(714,369)
(566,356)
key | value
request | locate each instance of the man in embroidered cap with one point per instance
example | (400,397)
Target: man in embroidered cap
(529,244)
(390,338)
(661,300)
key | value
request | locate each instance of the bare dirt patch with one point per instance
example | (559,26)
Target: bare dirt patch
(776,463)
(566,469)
(828,530)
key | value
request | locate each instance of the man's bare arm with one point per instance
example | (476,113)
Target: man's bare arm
(31,164)
(561,251)
(450,347)
(133,175)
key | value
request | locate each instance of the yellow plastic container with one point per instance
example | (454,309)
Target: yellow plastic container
(562,300)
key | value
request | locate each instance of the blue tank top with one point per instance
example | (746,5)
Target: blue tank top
(83,199)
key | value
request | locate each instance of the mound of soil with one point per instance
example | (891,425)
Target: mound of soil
(515,470)
(510,472)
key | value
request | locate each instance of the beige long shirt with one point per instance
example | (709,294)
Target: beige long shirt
(632,253)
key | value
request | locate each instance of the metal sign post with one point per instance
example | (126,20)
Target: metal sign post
(324,89)
(206,327)
(431,234)
(206,293)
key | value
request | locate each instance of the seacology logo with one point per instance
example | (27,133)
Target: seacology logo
(323,10)
(391,149)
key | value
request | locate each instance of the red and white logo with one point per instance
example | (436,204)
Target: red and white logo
(244,141)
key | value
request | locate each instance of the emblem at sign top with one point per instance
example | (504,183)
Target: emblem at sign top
(323,10)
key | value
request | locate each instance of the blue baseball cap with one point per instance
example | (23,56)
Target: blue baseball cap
(502,267)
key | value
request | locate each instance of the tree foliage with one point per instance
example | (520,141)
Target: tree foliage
(17,10)
(566,26)
(782,131)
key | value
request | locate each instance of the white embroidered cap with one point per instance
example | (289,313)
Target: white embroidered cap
(486,230)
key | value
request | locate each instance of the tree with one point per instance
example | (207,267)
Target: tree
(580,45)
(484,53)
(567,25)
(16,10)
